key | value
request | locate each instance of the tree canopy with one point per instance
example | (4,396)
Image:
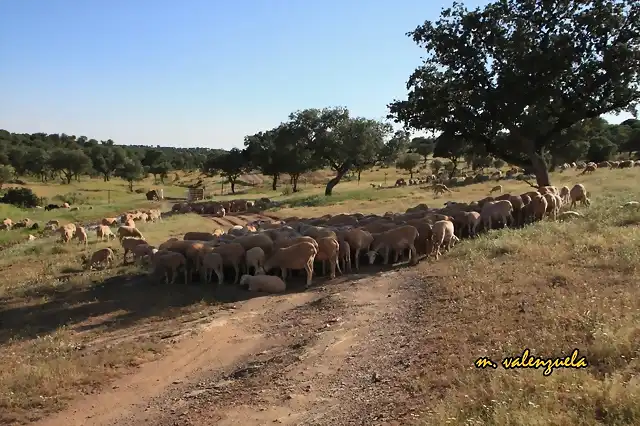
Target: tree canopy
(513,75)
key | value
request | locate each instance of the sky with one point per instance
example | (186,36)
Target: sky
(200,73)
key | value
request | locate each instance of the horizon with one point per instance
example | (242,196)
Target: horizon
(204,75)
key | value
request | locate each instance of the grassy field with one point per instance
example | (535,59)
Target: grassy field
(550,287)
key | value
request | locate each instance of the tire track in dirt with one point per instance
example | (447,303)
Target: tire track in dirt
(344,362)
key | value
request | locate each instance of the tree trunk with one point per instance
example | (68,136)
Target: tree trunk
(274,182)
(130,186)
(359,172)
(539,166)
(334,181)
(411,174)
(105,177)
(233,186)
(68,176)
(294,181)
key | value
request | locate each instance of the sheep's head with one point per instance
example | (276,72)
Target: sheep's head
(244,280)
(372,256)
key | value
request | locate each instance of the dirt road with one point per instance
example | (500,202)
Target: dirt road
(343,353)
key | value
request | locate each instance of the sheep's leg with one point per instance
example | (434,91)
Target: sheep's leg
(358,259)
(332,267)
(337,262)
(385,258)
(236,269)
(166,276)
(413,254)
(309,269)
(324,268)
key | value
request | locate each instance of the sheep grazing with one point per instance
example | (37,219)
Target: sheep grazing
(590,168)
(109,221)
(297,256)
(344,256)
(442,234)
(233,255)
(254,259)
(497,188)
(578,194)
(128,244)
(564,194)
(263,283)
(538,207)
(398,240)
(168,262)
(81,236)
(67,232)
(103,231)
(500,209)
(129,231)
(358,240)
(104,255)
(142,252)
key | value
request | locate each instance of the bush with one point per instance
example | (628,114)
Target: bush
(21,197)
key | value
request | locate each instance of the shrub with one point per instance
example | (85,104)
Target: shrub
(21,197)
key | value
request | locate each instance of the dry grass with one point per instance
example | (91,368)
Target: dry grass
(551,288)
(65,332)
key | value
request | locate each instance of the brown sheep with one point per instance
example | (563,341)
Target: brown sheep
(329,250)
(578,194)
(297,256)
(398,240)
(99,256)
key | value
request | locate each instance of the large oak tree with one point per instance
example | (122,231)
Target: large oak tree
(515,73)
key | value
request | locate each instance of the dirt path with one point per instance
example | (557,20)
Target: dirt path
(334,355)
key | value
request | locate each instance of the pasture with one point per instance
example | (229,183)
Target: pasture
(68,336)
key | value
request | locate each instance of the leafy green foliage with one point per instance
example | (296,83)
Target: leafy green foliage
(131,171)
(21,197)
(229,165)
(408,162)
(512,75)
(6,174)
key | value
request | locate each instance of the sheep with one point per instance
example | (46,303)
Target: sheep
(257,240)
(103,231)
(128,244)
(635,204)
(81,235)
(538,207)
(264,283)
(358,239)
(167,244)
(500,209)
(233,255)
(440,188)
(329,250)
(141,252)
(443,233)
(297,256)
(99,256)
(254,258)
(66,232)
(169,262)
(129,231)
(199,236)
(497,188)
(423,242)
(552,205)
(590,168)
(212,262)
(471,221)
(568,215)
(564,194)
(109,221)
(398,240)
(344,255)
(578,194)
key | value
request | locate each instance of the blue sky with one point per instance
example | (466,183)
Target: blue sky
(198,72)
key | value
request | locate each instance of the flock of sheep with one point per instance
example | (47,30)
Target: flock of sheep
(254,250)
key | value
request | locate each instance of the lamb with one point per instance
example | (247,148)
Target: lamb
(81,235)
(128,244)
(590,168)
(129,231)
(169,262)
(329,249)
(443,233)
(568,215)
(265,283)
(500,209)
(99,256)
(212,262)
(552,205)
(199,236)
(254,258)
(578,194)
(358,240)
(297,256)
(103,231)
(497,188)
(344,256)
(398,240)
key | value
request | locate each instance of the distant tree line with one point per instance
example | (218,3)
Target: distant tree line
(60,156)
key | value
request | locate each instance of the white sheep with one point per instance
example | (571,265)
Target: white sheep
(443,233)
(578,194)
(500,209)
(264,283)
(254,259)
(129,231)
